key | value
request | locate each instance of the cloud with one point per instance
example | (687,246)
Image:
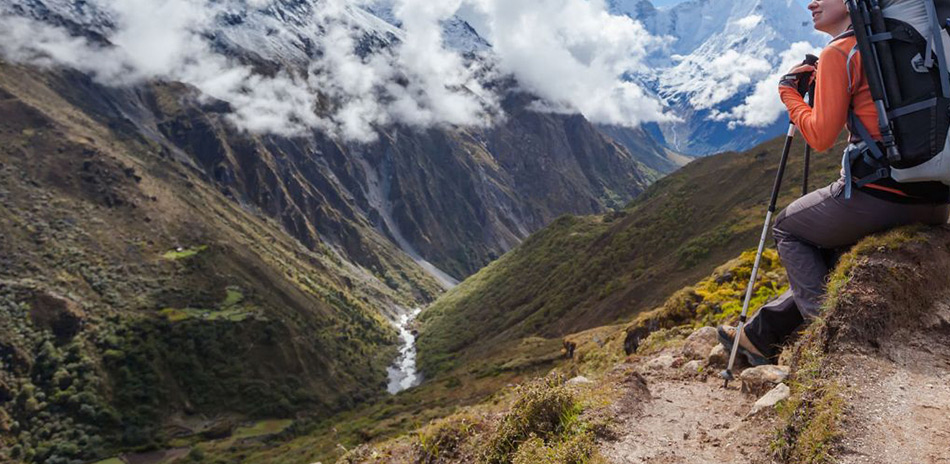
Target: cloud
(573,54)
(170,49)
(416,81)
(763,107)
(709,82)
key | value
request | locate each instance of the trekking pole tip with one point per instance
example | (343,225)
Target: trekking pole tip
(726,377)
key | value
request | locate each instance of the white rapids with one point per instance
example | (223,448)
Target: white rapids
(402,374)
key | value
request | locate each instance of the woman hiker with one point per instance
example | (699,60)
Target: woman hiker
(808,230)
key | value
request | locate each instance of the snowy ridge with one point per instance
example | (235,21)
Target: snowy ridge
(711,56)
(717,51)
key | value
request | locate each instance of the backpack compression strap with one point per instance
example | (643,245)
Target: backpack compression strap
(867,151)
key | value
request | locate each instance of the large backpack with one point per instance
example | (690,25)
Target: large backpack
(905,51)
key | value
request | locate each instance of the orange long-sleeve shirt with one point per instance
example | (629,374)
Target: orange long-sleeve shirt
(822,124)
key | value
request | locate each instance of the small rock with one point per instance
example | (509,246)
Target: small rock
(693,367)
(773,397)
(661,362)
(760,379)
(579,380)
(700,342)
(718,357)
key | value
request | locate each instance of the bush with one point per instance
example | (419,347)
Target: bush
(544,409)
(442,441)
(575,449)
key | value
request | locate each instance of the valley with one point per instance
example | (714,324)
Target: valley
(299,231)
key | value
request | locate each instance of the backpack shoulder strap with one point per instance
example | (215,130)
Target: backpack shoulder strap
(854,51)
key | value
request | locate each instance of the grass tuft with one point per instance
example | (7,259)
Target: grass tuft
(544,425)
(812,415)
(174,255)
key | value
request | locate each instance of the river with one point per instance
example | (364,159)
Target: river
(402,374)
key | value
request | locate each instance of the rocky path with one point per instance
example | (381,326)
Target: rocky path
(689,421)
(896,402)
(688,417)
(899,397)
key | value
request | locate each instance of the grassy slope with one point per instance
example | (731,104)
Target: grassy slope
(582,272)
(411,427)
(106,331)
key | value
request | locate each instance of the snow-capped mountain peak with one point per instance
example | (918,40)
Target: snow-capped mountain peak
(717,51)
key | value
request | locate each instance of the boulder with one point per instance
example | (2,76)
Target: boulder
(693,367)
(699,343)
(760,379)
(718,357)
(661,362)
(55,313)
(776,395)
(579,380)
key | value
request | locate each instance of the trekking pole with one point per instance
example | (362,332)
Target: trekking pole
(805,175)
(807,167)
(727,374)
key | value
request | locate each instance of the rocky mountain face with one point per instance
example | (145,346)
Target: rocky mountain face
(717,51)
(453,199)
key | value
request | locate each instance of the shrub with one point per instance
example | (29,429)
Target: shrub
(545,408)
(442,441)
(575,449)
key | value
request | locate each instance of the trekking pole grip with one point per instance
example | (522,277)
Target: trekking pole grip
(805,82)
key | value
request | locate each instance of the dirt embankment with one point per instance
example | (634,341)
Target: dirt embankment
(886,341)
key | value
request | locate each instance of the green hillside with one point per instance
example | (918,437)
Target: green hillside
(582,272)
(140,307)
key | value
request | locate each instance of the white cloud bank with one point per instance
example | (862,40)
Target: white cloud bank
(764,106)
(162,40)
(572,54)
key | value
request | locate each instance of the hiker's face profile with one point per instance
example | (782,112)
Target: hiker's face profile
(829,16)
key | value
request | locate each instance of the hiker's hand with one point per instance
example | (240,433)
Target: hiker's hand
(800,78)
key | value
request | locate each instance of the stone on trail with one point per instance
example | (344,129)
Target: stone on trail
(661,362)
(760,379)
(700,342)
(693,367)
(773,397)
(579,380)
(718,357)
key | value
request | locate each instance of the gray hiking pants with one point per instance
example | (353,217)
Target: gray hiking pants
(807,233)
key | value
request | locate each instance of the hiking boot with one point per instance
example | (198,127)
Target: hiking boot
(727,336)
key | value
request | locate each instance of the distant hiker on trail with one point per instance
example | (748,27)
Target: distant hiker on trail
(809,230)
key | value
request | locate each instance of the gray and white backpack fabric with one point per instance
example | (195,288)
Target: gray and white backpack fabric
(916,32)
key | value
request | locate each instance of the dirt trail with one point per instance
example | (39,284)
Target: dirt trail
(690,419)
(899,397)
(896,392)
